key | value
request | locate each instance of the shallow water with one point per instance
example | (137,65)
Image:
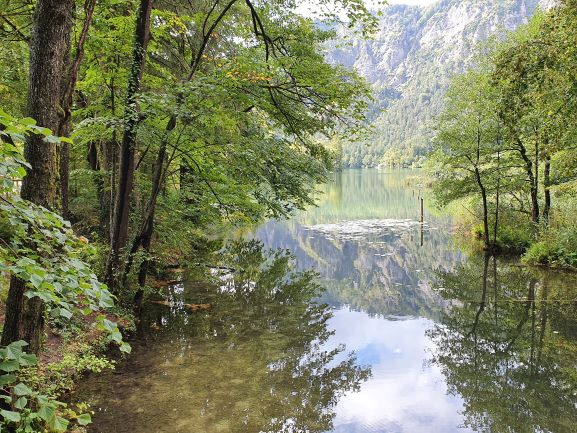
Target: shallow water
(401,332)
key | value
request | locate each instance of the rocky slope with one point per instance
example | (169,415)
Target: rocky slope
(410,62)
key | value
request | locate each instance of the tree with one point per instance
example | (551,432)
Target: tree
(119,230)
(269,77)
(49,47)
(537,97)
(465,161)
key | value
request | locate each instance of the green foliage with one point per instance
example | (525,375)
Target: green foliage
(76,357)
(514,238)
(556,248)
(523,176)
(25,409)
(38,246)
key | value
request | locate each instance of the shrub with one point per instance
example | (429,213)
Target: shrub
(23,408)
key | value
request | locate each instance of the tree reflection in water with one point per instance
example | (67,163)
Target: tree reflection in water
(257,361)
(507,345)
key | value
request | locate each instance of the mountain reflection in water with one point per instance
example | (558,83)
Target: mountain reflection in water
(401,332)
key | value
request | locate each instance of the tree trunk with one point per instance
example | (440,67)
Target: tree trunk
(68,87)
(119,230)
(532,177)
(52,26)
(497,198)
(486,239)
(144,237)
(547,188)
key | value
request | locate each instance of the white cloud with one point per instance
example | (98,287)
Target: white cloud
(405,393)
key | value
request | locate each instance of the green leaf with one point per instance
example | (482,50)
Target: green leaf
(46,412)
(43,131)
(14,350)
(10,415)
(36,280)
(27,360)
(6,379)
(10,365)
(58,423)
(84,419)
(116,336)
(65,313)
(28,121)
(21,403)
(53,139)
(22,389)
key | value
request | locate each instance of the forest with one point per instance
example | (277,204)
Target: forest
(132,134)
(504,144)
(138,138)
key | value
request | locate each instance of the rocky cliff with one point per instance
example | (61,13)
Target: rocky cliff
(410,61)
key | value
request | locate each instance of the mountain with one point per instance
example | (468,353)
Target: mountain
(410,62)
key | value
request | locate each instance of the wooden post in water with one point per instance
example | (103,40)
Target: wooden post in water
(422,222)
(422,234)
(422,211)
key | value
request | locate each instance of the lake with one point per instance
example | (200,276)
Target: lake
(397,329)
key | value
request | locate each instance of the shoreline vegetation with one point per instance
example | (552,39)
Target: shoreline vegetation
(135,136)
(539,248)
(504,144)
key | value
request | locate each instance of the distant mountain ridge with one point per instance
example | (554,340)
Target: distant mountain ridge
(410,62)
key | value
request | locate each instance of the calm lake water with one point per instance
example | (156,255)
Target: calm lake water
(400,331)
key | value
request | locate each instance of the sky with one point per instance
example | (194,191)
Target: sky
(413,2)
(305,7)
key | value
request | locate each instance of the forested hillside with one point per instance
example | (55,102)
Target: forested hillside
(410,62)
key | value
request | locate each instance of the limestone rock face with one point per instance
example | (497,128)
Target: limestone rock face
(411,59)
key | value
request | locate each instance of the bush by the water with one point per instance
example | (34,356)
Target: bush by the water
(555,248)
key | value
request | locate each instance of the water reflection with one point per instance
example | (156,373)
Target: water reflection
(455,344)
(378,265)
(366,241)
(507,346)
(257,361)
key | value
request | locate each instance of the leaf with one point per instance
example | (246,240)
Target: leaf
(84,419)
(58,423)
(14,350)
(27,360)
(21,403)
(65,313)
(116,336)
(10,365)
(52,139)
(28,121)
(36,280)
(46,412)
(22,389)
(10,415)
(6,379)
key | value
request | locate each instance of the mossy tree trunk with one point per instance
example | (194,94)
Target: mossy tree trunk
(52,26)
(119,229)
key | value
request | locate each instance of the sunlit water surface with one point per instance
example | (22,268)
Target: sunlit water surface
(408,334)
